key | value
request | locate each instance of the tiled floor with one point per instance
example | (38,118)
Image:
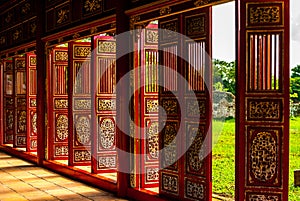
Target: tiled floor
(20,180)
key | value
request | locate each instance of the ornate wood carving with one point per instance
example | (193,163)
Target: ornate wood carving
(264,110)
(61,127)
(194,190)
(263,88)
(265,14)
(106,104)
(170,183)
(83,132)
(91,7)
(165,10)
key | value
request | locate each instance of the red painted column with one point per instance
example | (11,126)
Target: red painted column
(122,95)
(41,84)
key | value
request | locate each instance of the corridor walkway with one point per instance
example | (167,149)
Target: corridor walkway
(20,180)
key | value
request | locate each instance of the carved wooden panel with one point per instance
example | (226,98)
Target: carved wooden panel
(21,86)
(104,73)
(264,109)
(189,114)
(91,7)
(31,102)
(264,154)
(80,91)
(9,102)
(58,104)
(146,101)
(16,22)
(58,16)
(263,101)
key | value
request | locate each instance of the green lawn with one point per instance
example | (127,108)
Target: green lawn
(223,157)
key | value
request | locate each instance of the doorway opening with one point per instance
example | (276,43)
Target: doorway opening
(224,65)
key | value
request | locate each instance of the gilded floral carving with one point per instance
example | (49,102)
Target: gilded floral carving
(195,152)
(263,156)
(169,30)
(82,51)
(21,102)
(83,133)
(62,127)
(107,133)
(195,108)
(264,14)
(170,106)
(9,101)
(33,103)
(20,63)
(34,123)
(33,28)
(260,110)
(17,34)
(106,47)
(8,18)
(170,183)
(22,121)
(152,174)
(201,2)
(195,190)
(9,119)
(134,20)
(106,104)
(82,155)
(61,104)
(106,162)
(152,143)
(91,6)
(169,144)
(165,10)
(195,25)
(82,104)
(151,106)
(26,9)
(151,36)
(32,61)
(61,56)
(63,16)
(264,198)
(61,150)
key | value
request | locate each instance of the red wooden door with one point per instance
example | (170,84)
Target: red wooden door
(58,104)
(20,84)
(149,107)
(262,140)
(146,148)
(9,102)
(185,139)
(104,99)
(31,91)
(79,104)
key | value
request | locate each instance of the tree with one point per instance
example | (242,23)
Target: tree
(224,72)
(295,71)
(295,84)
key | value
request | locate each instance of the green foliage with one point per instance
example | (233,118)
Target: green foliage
(224,72)
(294,192)
(295,84)
(224,153)
(295,89)
(296,71)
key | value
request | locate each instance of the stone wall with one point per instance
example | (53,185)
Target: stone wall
(223,105)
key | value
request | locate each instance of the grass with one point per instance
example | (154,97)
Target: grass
(223,157)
